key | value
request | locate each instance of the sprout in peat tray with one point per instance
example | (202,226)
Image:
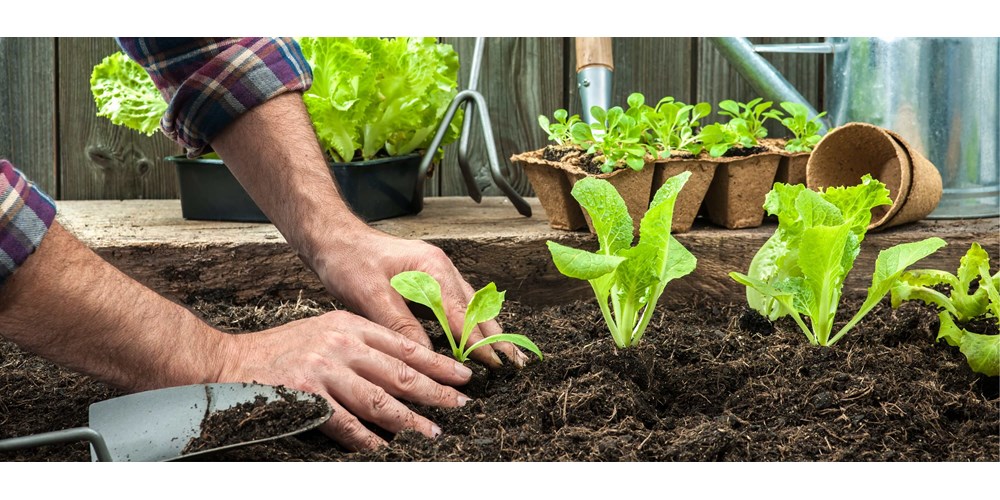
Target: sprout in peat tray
(617,135)
(800,269)
(672,123)
(559,131)
(805,130)
(627,280)
(485,305)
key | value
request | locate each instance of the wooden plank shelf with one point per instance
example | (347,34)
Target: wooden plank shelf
(184,260)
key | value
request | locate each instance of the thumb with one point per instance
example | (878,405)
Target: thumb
(395,316)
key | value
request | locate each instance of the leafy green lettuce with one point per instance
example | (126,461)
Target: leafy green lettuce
(627,281)
(125,94)
(371,95)
(800,270)
(961,305)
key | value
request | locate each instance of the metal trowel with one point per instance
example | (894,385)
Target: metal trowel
(156,425)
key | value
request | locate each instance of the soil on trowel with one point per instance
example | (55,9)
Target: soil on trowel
(256,420)
(709,382)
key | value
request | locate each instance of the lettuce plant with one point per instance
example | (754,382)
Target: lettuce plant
(617,135)
(374,94)
(805,130)
(800,270)
(961,305)
(125,94)
(485,305)
(749,117)
(672,124)
(559,130)
(627,280)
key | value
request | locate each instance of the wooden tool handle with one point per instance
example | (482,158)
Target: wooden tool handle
(593,52)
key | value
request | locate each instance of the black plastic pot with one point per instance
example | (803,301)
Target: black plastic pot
(374,189)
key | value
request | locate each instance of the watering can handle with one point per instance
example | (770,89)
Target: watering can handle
(762,76)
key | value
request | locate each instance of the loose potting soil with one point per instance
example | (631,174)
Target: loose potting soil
(708,382)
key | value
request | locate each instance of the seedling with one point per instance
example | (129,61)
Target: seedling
(627,281)
(616,135)
(485,305)
(960,306)
(800,270)
(749,117)
(559,131)
(805,130)
(672,123)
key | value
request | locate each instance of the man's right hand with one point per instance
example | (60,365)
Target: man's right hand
(361,368)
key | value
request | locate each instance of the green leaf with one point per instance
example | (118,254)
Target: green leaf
(484,306)
(889,266)
(125,94)
(856,202)
(821,257)
(581,264)
(422,288)
(981,351)
(608,213)
(513,338)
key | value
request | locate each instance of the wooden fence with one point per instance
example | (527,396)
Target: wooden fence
(49,129)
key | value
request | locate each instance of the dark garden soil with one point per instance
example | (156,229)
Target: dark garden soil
(572,155)
(709,382)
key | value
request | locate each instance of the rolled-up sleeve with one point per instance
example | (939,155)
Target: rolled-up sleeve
(209,82)
(26,214)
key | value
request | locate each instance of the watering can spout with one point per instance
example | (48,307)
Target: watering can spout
(762,76)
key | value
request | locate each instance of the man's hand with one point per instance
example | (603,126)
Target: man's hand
(273,151)
(359,367)
(360,277)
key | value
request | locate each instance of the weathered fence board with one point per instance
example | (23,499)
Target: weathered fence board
(28,109)
(99,160)
(77,155)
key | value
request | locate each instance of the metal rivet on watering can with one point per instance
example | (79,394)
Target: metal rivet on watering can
(942,95)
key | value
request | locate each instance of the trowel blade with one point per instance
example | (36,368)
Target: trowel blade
(156,425)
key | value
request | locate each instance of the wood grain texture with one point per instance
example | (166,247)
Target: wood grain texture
(656,67)
(487,242)
(718,80)
(99,160)
(28,108)
(591,51)
(520,79)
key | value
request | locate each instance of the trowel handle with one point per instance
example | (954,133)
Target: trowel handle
(60,437)
(594,65)
(594,52)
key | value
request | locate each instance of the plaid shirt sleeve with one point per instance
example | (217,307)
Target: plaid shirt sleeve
(25,216)
(209,82)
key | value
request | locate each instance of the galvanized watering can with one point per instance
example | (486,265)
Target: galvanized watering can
(940,94)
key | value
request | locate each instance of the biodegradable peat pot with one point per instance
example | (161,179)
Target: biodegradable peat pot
(634,186)
(694,190)
(849,152)
(374,189)
(735,199)
(792,168)
(553,187)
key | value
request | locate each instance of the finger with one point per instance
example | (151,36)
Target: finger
(425,361)
(347,430)
(509,350)
(402,381)
(394,315)
(371,403)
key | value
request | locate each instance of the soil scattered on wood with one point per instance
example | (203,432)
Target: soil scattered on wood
(707,383)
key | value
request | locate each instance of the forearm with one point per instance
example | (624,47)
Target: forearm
(272,150)
(70,306)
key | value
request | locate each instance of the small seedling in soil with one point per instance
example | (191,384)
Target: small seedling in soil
(559,131)
(961,306)
(744,129)
(422,288)
(805,130)
(616,135)
(800,270)
(672,123)
(628,281)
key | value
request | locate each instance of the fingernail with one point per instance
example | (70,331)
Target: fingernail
(463,371)
(496,359)
(435,431)
(463,400)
